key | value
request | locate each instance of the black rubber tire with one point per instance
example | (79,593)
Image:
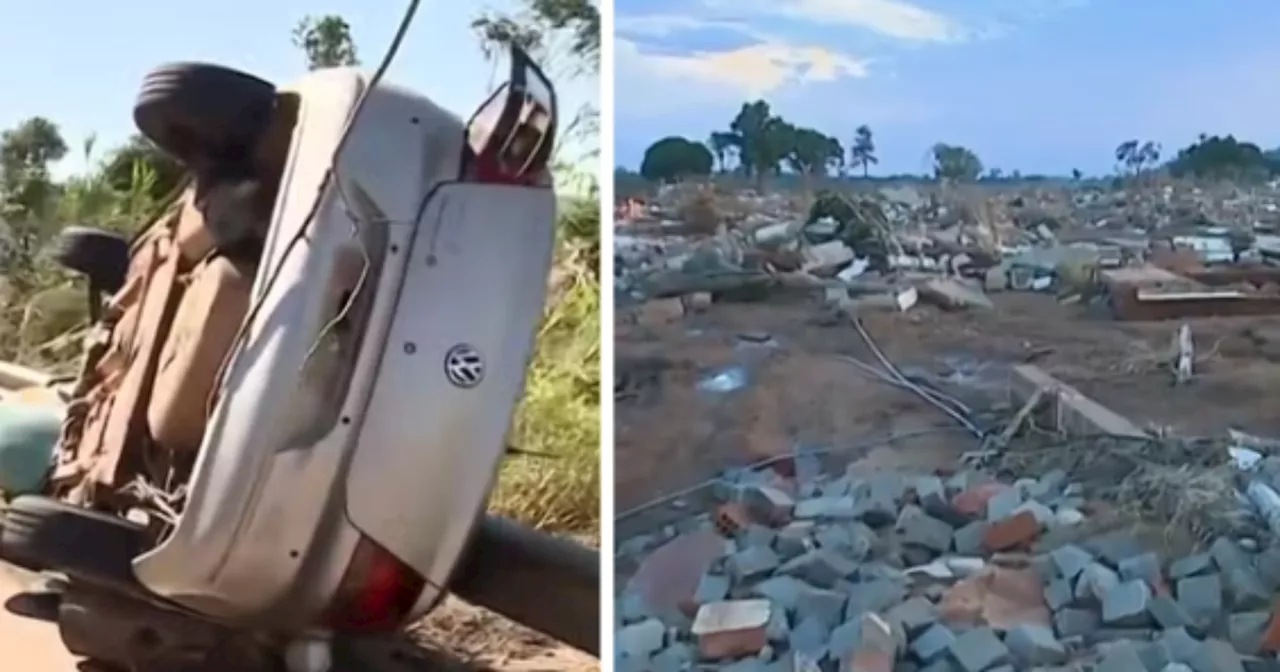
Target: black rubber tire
(203,114)
(103,256)
(43,534)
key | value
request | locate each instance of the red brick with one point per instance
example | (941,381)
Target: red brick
(731,518)
(973,502)
(870,661)
(731,629)
(1012,532)
(1271,636)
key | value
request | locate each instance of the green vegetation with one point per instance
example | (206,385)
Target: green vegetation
(44,308)
(760,145)
(673,158)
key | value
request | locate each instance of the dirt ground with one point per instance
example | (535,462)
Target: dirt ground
(671,435)
(456,638)
(463,638)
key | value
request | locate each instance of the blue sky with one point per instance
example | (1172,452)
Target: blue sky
(87,58)
(1036,85)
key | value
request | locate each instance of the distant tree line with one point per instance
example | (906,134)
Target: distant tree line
(760,144)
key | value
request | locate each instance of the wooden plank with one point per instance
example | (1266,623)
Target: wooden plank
(1073,412)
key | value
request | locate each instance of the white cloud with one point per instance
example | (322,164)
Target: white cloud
(753,70)
(892,18)
(663,25)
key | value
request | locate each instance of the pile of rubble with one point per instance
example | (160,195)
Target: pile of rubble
(876,247)
(891,571)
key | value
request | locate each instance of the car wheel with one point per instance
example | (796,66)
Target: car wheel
(102,256)
(203,114)
(44,534)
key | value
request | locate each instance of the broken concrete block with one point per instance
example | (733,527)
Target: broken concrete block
(1143,567)
(1067,517)
(785,590)
(1070,560)
(826,606)
(1181,645)
(1114,548)
(1192,565)
(952,294)
(711,588)
(936,570)
(1110,635)
(1168,613)
(1035,645)
(831,508)
(745,665)
(732,628)
(873,596)
(779,627)
(1201,598)
(880,635)
(1155,655)
(964,567)
(1094,582)
(810,637)
(1218,656)
(852,540)
(795,539)
(1003,503)
(932,644)
(845,636)
(1058,594)
(752,563)
(921,529)
(1228,555)
(1076,622)
(820,567)
(769,504)
(1048,488)
(678,656)
(1043,514)
(914,616)
(979,650)
(1125,605)
(1245,631)
(640,640)
(756,534)
(943,665)
(968,539)
(1267,565)
(1245,588)
(932,493)
(1122,657)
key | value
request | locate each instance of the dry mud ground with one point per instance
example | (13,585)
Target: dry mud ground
(671,435)
(457,638)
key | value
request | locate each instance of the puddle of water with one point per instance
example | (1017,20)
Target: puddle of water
(963,370)
(724,380)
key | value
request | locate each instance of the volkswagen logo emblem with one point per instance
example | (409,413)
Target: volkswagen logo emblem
(463,366)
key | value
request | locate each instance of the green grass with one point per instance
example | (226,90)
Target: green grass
(557,487)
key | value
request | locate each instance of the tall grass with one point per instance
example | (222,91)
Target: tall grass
(555,484)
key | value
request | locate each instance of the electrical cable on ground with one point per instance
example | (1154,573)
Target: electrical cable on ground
(865,445)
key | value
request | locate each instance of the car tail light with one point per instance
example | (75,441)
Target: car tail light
(377,592)
(511,135)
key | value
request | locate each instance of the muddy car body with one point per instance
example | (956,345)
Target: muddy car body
(292,409)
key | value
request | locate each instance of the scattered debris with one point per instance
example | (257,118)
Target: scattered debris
(1057,533)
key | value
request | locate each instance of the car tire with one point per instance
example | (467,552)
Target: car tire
(203,114)
(102,256)
(44,534)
